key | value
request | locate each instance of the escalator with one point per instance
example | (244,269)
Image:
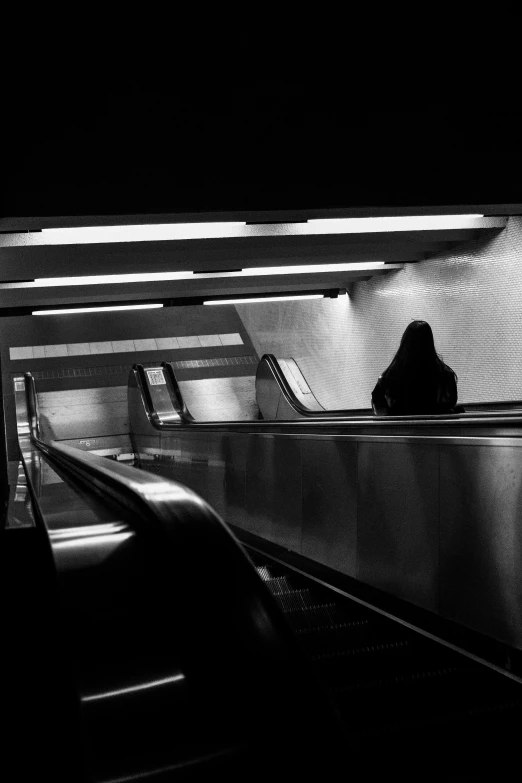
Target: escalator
(178,664)
(411,703)
(143,644)
(282,392)
(412,707)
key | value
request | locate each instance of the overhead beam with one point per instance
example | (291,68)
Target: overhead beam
(23,223)
(197,286)
(29,266)
(229,230)
(29,261)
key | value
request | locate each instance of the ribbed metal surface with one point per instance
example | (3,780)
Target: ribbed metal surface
(390,684)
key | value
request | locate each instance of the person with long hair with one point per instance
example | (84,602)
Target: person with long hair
(417,381)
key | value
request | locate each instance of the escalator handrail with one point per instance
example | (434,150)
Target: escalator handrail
(127,485)
(319,422)
(175,394)
(176,397)
(271,361)
(218,579)
(287,392)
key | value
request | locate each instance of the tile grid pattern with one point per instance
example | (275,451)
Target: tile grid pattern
(124,346)
(84,372)
(228,360)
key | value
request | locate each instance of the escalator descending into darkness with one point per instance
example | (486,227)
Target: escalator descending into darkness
(405,705)
(411,706)
(142,643)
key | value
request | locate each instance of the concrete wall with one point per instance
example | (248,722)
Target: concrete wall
(221,399)
(473,301)
(81,365)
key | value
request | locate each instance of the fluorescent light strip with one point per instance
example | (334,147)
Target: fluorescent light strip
(361,266)
(95,309)
(150,277)
(228,230)
(376,224)
(49,282)
(140,233)
(263,299)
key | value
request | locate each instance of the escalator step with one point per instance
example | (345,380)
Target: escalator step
(383,648)
(359,664)
(295,599)
(393,687)
(314,617)
(409,687)
(339,627)
(278,585)
(437,696)
(347,636)
(263,572)
(395,681)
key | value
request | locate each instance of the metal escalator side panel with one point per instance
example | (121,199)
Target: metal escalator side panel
(27,424)
(267,390)
(154,400)
(177,403)
(161,398)
(19,508)
(25,400)
(278,390)
(299,385)
(165,404)
(144,435)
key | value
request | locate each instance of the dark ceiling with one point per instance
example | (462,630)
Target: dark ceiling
(80,142)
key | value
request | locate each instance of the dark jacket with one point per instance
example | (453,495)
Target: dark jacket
(416,398)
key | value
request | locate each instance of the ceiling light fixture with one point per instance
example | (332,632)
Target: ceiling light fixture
(140,233)
(263,299)
(372,225)
(234,229)
(95,309)
(150,277)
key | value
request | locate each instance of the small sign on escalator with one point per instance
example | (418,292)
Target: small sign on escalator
(156,377)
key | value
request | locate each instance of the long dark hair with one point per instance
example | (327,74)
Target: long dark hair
(416,356)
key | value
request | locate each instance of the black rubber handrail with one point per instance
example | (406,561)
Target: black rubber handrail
(317,422)
(237,643)
(144,492)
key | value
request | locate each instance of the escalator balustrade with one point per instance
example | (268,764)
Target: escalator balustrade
(379,697)
(177,660)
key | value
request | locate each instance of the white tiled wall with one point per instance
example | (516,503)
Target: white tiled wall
(76,349)
(123,346)
(472,299)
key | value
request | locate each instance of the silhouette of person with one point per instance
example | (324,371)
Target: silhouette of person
(417,381)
